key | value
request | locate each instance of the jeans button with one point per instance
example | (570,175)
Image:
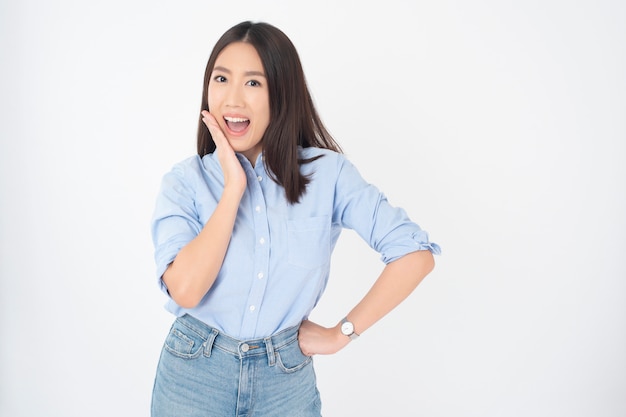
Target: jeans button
(245,348)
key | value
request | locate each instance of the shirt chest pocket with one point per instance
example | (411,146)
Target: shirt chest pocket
(308,241)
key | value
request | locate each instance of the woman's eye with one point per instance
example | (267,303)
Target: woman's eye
(220,78)
(253,83)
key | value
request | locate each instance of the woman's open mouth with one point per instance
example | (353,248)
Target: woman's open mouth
(236,124)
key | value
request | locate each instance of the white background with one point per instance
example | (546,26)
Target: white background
(499,126)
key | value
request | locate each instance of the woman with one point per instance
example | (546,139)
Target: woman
(243,234)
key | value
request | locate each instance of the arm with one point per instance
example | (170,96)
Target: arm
(193,271)
(398,279)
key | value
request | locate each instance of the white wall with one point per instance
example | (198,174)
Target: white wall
(499,127)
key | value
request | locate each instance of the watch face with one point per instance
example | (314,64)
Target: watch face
(347,328)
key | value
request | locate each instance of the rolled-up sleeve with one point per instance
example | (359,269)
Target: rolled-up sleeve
(175,220)
(362,207)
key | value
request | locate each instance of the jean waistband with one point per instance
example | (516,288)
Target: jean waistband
(241,348)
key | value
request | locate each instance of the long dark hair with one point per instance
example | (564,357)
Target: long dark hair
(294,121)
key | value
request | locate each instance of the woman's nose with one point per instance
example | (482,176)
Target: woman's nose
(234,97)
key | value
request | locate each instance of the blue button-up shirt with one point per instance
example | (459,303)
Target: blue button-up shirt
(278,260)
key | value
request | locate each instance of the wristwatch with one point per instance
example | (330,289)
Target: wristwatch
(347,328)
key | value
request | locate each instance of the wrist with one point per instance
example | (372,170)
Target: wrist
(346,327)
(339,339)
(233,193)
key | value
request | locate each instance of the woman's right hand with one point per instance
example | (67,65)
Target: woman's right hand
(234,175)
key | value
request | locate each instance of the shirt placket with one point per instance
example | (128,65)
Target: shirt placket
(254,303)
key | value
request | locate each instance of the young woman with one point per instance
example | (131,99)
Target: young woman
(243,234)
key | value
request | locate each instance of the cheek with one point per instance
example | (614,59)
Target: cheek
(265,112)
(261,103)
(213,98)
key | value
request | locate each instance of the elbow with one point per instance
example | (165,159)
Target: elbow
(186,299)
(423,263)
(429,263)
(181,292)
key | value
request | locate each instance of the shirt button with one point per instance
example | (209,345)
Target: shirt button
(245,347)
(260,178)
(257,208)
(260,275)
(252,308)
(262,241)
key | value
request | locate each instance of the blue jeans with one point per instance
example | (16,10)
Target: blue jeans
(203,372)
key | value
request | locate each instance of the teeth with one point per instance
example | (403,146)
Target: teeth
(235,119)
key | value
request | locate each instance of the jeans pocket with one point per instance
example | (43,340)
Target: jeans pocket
(184,342)
(290,358)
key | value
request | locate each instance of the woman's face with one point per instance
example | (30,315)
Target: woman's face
(239,98)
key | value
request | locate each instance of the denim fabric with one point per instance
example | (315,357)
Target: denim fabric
(203,372)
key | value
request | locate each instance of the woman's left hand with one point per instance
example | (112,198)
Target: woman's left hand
(318,340)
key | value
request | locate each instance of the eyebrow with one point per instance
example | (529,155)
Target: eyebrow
(247,73)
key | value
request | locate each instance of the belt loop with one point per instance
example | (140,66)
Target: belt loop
(208,345)
(271,358)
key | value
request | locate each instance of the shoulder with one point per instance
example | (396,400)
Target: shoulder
(194,166)
(312,152)
(325,158)
(187,164)
(185,172)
